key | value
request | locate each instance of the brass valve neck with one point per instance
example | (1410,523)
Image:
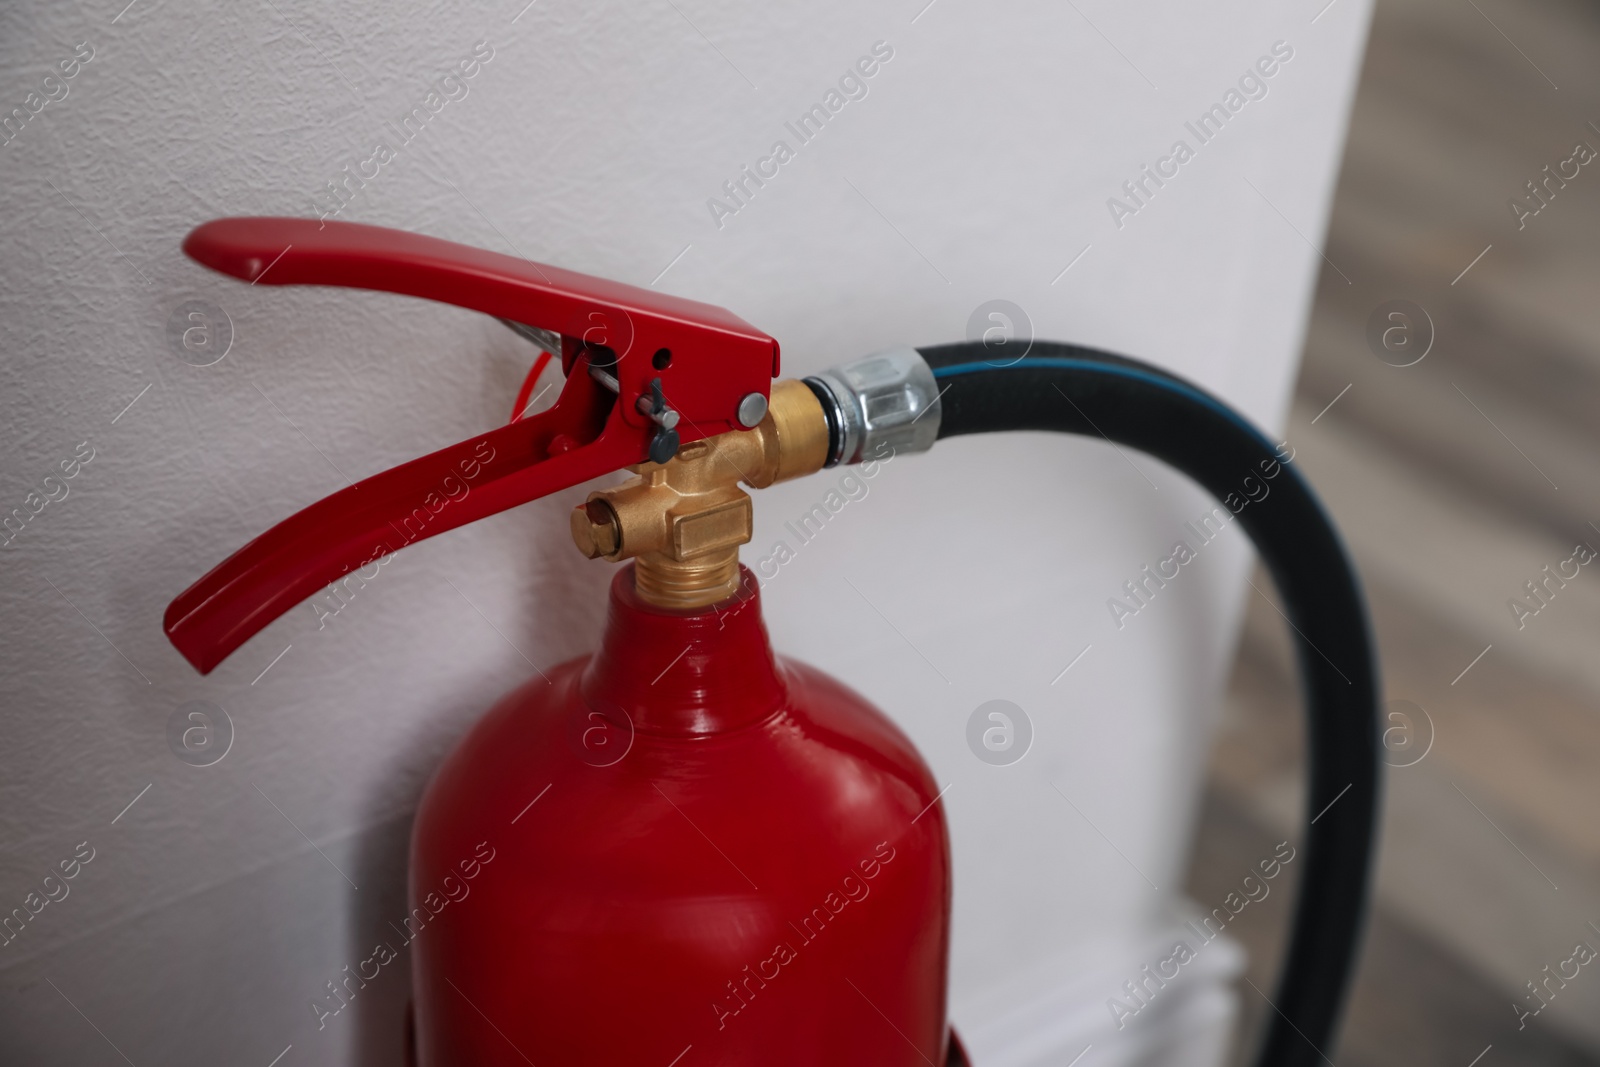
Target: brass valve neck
(684,520)
(666,582)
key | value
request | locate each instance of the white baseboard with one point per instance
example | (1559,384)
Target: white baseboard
(1058,1014)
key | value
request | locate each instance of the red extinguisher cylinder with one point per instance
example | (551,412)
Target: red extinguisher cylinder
(681,847)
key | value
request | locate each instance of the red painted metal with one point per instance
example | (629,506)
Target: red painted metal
(716,360)
(695,846)
(679,851)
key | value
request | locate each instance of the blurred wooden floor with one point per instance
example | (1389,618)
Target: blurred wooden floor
(1455,481)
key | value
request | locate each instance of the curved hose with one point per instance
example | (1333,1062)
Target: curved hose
(1079,390)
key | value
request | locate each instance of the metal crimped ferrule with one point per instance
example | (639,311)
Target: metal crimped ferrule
(887,399)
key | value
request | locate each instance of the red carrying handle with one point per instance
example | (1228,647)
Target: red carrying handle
(707,361)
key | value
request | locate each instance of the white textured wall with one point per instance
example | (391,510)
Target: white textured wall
(977,167)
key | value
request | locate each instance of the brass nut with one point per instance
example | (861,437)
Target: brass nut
(594,529)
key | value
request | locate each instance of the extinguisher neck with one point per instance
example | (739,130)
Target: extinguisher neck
(685,672)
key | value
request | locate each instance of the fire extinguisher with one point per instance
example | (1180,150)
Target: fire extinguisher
(734,856)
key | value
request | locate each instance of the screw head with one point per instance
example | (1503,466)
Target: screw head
(752,409)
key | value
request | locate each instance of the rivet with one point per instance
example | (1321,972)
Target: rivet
(752,409)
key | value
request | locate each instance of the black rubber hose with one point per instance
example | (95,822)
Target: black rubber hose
(1079,390)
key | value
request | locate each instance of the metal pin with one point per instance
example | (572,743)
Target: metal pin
(666,418)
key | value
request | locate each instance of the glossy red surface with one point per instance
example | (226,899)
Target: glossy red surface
(716,360)
(265,250)
(681,847)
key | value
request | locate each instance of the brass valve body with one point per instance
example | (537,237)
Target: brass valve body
(684,520)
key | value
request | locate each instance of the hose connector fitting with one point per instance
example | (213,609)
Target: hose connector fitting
(887,398)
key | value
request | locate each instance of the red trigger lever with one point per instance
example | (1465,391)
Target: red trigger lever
(645,371)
